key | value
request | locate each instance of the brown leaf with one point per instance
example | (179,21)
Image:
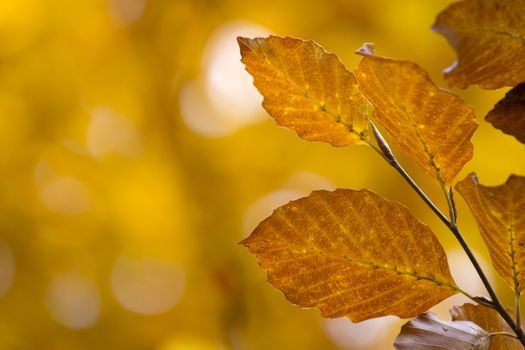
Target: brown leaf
(352,253)
(307,89)
(427,332)
(509,114)
(489,38)
(490,321)
(431,125)
(500,214)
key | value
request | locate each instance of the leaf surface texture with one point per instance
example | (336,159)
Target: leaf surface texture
(352,253)
(489,38)
(307,89)
(490,321)
(509,114)
(430,125)
(500,214)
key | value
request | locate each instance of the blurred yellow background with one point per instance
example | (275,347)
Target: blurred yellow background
(135,154)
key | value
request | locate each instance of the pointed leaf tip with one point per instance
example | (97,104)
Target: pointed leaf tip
(474,178)
(368,49)
(241,39)
(244,43)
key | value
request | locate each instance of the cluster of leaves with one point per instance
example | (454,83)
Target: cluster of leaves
(355,254)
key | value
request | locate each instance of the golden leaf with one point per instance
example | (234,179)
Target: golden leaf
(500,214)
(430,125)
(490,321)
(352,253)
(307,89)
(489,38)
(509,114)
(427,332)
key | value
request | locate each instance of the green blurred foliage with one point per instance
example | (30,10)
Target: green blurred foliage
(119,217)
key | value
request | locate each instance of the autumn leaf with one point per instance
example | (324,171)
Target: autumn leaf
(500,214)
(427,332)
(352,253)
(489,38)
(307,89)
(430,125)
(509,114)
(490,321)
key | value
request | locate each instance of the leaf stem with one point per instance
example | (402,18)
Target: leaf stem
(505,334)
(449,195)
(384,150)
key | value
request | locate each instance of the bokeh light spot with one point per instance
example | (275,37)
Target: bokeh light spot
(199,116)
(366,334)
(74,301)
(109,132)
(300,184)
(65,195)
(466,276)
(228,85)
(125,12)
(264,206)
(147,286)
(223,99)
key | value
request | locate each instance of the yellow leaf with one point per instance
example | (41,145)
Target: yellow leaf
(500,214)
(489,38)
(307,89)
(352,253)
(430,125)
(509,114)
(490,321)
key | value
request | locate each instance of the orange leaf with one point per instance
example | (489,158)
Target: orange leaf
(490,321)
(352,253)
(489,38)
(427,332)
(509,114)
(307,89)
(500,214)
(431,125)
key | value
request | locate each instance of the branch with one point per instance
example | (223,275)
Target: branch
(384,150)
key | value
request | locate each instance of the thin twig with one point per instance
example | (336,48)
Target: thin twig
(449,195)
(505,334)
(385,151)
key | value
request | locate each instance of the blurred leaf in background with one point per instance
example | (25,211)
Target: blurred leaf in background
(135,155)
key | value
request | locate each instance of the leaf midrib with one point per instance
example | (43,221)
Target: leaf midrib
(313,251)
(401,106)
(512,253)
(502,32)
(495,31)
(335,116)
